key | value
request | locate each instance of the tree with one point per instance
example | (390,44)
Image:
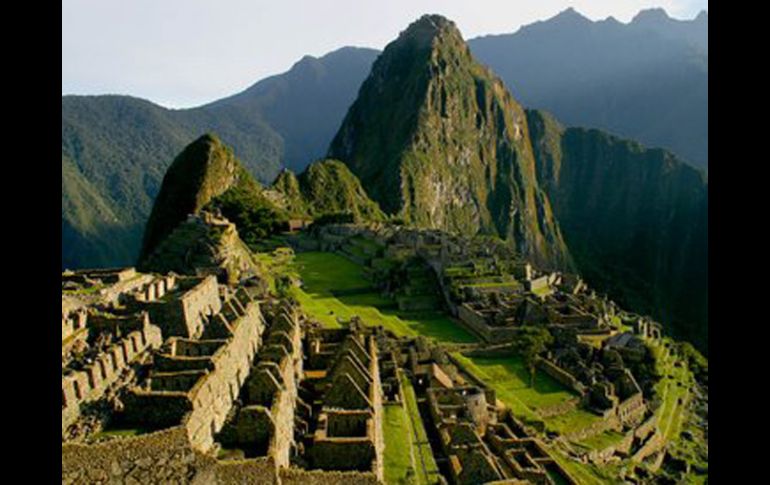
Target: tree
(529,344)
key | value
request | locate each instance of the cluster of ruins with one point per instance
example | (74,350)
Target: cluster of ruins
(203,378)
(597,348)
(214,375)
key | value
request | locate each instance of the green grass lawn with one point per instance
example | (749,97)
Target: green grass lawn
(501,284)
(510,380)
(602,441)
(398,445)
(425,464)
(408,457)
(572,421)
(671,390)
(323,274)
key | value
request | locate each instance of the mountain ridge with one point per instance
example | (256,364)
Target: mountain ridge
(635,220)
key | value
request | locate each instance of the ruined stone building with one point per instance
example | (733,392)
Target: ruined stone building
(184,379)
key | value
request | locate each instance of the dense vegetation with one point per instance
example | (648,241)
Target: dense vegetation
(326,188)
(635,220)
(244,204)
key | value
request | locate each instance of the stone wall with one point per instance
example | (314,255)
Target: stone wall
(474,320)
(256,471)
(162,457)
(185,316)
(654,443)
(72,322)
(477,324)
(349,435)
(113,293)
(203,407)
(631,411)
(90,383)
(167,457)
(286,329)
(218,389)
(647,427)
(560,375)
(296,476)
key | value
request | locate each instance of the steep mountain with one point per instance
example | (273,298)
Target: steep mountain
(436,138)
(326,187)
(119,147)
(206,174)
(635,221)
(646,80)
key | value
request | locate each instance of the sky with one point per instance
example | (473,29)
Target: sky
(184,53)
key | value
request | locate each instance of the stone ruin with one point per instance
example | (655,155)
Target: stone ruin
(476,441)
(207,381)
(215,381)
(344,391)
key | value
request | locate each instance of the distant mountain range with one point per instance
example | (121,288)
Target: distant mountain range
(647,80)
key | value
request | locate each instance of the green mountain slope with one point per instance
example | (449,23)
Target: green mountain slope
(207,175)
(635,221)
(327,187)
(87,219)
(123,146)
(435,138)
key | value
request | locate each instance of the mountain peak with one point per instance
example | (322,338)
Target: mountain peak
(570,15)
(651,16)
(434,22)
(427,28)
(437,140)
(205,169)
